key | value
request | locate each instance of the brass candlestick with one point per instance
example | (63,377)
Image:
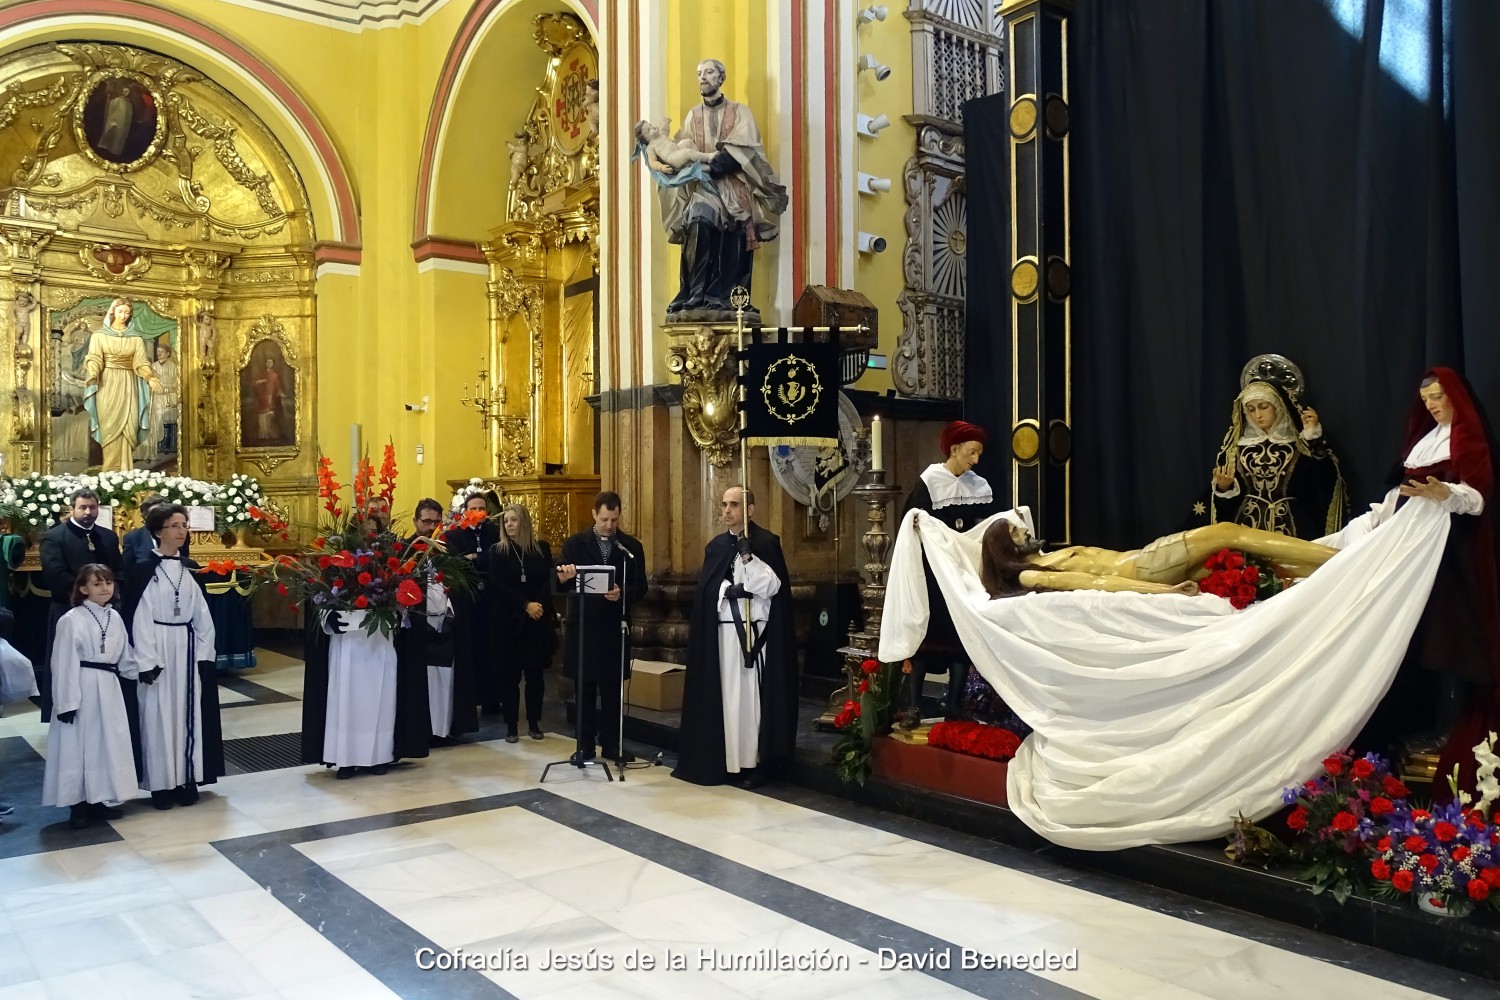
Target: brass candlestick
(865,644)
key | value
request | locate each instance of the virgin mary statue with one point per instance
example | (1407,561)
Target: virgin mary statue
(118,386)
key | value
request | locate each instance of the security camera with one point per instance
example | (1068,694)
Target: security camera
(417,407)
(871,126)
(875,12)
(870,184)
(868,61)
(870,243)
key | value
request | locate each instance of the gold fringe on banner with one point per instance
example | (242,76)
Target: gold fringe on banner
(771,442)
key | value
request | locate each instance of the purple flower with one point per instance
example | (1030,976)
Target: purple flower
(320,599)
(1290,795)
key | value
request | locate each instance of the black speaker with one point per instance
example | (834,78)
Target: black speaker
(836,612)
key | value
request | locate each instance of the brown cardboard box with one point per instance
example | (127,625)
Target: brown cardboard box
(654,684)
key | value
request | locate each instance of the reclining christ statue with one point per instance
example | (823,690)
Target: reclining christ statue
(1159,716)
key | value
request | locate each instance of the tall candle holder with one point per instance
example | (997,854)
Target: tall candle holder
(864,644)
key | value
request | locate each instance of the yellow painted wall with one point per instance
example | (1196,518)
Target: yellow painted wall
(878,276)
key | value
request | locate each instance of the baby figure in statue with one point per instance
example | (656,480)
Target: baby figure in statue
(666,155)
(1013,562)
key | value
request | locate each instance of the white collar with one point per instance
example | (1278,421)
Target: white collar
(945,488)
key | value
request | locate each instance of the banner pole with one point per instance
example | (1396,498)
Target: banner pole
(739,297)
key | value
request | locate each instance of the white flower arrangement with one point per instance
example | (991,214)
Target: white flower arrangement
(37,501)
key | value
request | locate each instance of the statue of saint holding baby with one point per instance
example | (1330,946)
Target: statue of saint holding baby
(720,199)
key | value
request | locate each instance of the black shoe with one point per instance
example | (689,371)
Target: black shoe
(752,778)
(161,800)
(535,733)
(185,795)
(512,737)
(98,810)
(379,768)
(344,773)
(581,757)
(78,816)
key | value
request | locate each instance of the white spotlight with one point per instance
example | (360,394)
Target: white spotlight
(866,125)
(870,243)
(870,184)
(875,12)
(868,61)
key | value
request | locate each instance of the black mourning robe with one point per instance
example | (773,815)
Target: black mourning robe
(700,750)
(473,622)
(212,733)
(596,635)
(419,645)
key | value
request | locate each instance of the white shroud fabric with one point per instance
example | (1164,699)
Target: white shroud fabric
(90,758)
(173,636)
(360,727)
(739,684)
(1158,718)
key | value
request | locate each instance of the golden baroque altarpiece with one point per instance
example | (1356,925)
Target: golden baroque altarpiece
(543,294)
(129,175)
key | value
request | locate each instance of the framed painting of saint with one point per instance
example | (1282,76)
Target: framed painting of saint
(268,398)
(119,123)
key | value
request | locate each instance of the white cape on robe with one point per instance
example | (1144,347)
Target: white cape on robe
(1159,718)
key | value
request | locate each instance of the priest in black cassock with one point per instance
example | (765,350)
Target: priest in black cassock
(739,706)
(955,494)
(66,549)
(473,612)
(595,636)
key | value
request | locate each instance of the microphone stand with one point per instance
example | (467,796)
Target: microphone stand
(625,565)
(580,759)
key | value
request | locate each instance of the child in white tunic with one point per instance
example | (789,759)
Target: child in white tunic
(89,757)
(171,630)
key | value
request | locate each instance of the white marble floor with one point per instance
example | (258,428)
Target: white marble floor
(163,913)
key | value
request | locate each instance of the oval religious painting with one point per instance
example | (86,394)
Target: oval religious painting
(119,124)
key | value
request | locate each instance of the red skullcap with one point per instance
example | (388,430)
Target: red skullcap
(957,433)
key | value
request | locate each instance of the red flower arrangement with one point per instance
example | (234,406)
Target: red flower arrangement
(355,562)
(975,739)
(1335,819)
(1240,579)
(864,716)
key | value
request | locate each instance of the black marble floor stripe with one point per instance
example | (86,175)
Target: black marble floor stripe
(258,694)
(384,946)
(34,828)
(1384,965)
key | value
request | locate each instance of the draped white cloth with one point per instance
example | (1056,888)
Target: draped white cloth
(1159,718)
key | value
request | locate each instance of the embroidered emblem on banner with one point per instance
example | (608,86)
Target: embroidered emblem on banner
(791,389)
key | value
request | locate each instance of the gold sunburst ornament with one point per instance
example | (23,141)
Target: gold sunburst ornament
(791,389)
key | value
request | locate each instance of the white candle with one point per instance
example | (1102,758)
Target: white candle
(877,453)
(353,450)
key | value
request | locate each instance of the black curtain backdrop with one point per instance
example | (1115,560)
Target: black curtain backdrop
(1249,178)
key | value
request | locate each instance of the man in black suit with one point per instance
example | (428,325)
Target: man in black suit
(595,632)
(65,549)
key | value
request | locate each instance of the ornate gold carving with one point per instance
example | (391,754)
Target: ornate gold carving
(114,264)
(222,137)
(268,328)
(262,276)
(514,457)
(17,97)
(22,243)
(557,147)
(269,457)
(702,360)
(114,200)
(204,266)
(552,521)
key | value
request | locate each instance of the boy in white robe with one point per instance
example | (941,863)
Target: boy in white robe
(89,758)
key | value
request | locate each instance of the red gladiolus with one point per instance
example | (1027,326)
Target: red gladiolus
(1298,819)
(1428,862)
(388,472)
(1403,880)
(393,562)
(1413,843)
(1380,870)
(1362,768)
(1381,805)
(1444,831)
(364,579)
(1460,852)
(1479,890)
(1334,765)
(1344,821)
(361,601)
(319,542)
(409,594)
(408,566)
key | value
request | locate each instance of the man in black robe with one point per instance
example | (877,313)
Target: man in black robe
(431,642)
(66,549)
(599,626)
(473,615)
(734,700)
(955,494)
